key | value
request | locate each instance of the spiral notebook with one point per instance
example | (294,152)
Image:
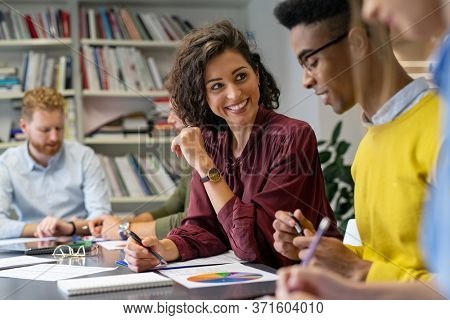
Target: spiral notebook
(113,283)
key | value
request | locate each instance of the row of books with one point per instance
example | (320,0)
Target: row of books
(51,23)
(9,79)
(134,176)
(121,23)
(39,70)
(119,69)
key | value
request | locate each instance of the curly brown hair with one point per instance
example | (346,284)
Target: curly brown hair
(46,99)
(185,81)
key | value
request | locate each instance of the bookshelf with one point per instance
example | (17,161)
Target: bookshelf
(34,43)
(48,42)
(197,12)
(414,56)
(126,94)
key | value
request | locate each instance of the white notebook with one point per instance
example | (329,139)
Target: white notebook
(113,283)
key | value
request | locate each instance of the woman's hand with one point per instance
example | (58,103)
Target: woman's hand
(191,145)
(139,257)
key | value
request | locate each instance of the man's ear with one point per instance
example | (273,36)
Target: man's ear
(358,42)
(24,126)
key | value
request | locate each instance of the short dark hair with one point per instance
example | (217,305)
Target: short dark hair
(185,81)
(337,13)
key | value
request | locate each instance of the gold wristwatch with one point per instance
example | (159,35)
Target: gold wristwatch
(213,175)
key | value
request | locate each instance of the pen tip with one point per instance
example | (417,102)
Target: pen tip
(325,223)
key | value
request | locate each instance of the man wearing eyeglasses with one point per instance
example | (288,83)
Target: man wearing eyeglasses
(347,62)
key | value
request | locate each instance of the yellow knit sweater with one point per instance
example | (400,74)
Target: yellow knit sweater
(392,168)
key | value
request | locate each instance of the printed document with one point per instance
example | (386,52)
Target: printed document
(222,275)
(20,261)
(51,272)
(224,258)
(113,245)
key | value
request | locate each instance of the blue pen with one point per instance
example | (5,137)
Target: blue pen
(323,227)
(136,238)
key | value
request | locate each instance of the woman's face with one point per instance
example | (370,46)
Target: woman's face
(232,88)
(416,19)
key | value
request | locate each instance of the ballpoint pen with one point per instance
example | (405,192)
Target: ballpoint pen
(323,227)
(297,226)
(162,261)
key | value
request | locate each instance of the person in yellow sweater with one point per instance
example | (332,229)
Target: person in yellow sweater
(343,62)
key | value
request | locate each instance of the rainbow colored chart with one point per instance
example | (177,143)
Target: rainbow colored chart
(224,277)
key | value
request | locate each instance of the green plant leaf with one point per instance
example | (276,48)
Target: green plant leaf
(331,172)
(336,133)
(344,193)
(338,180)
(321,142)
(342,148)
(346,176)
(324,156)
(345,206)
(331,190)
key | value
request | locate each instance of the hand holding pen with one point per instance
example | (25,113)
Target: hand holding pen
(298,226)
(323,227)
(135,237)
(288,226)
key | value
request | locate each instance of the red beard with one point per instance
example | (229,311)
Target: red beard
(48,150)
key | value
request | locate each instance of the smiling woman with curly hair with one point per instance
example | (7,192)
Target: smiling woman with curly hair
(186,80)
(248,161)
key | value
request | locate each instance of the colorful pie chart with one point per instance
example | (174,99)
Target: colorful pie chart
(224,277)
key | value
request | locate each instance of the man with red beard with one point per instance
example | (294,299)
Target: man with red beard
(52,185)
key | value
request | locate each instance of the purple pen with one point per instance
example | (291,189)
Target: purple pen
(323,227)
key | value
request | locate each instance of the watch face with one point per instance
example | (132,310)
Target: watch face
(214,175)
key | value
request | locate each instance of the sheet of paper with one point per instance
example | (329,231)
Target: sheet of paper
(222,275)
(351,236)
(51,272)
(224,258)
(23,240)
(20,261)
(113,245)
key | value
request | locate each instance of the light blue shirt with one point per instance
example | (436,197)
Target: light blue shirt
(436,234)
(399,103)
(73,184)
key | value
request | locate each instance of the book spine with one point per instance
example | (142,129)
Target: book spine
(120,23)
(66,24)
(30,25)
(140,175)
(10,25)
(114,26)
(69,71)
(123,188)
(105,23)
(53,23)
(92,24)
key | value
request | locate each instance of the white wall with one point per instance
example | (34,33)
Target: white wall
(273,41)
(297,102)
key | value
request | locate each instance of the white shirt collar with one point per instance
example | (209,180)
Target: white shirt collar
(399,103)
